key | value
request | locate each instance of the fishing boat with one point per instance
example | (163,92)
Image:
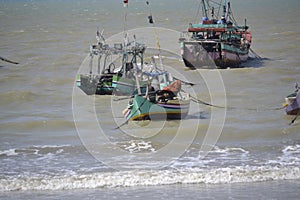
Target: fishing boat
(167,102)
(217,41)
(163,97)
(292,102)
(110,78)
(99,82)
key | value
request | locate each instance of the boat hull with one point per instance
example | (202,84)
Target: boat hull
(100,85)
(208,55)
(126,86)
(294,107)
(143,109)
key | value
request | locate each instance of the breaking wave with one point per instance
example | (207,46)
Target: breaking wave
(150,178)
(35,150)
(186,170)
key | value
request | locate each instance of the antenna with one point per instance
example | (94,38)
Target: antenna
(99,36)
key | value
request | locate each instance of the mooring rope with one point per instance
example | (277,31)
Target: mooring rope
(255,54)
(295,118)
(9,61)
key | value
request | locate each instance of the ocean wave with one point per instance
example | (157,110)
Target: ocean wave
(291,155)
(235,156)
(150,178)
(138,146)
(35,150)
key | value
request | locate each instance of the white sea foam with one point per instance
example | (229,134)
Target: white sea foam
(291,155)
(295,149)
(224,155)
(139,146)
(151,178)
(9,152)
(57,149)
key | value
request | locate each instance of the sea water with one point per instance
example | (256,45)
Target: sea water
(51,147)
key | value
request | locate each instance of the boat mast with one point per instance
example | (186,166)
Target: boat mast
(124,60)
(151,21)
(224,8)
(204,9)
(227,11)
(135,67)
(91,60)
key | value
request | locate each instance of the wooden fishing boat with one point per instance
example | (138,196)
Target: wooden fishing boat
(99,81)
(217,41)
(292,102)
(166,103)
(110,78)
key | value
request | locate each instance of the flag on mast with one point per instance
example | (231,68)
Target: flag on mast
(125,3)
(150,18)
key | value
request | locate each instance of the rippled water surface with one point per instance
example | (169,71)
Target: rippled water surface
(43,156)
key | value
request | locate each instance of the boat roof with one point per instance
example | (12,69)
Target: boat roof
(216,26)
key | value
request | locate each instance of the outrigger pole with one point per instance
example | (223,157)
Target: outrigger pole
(151,21)
(204,8)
